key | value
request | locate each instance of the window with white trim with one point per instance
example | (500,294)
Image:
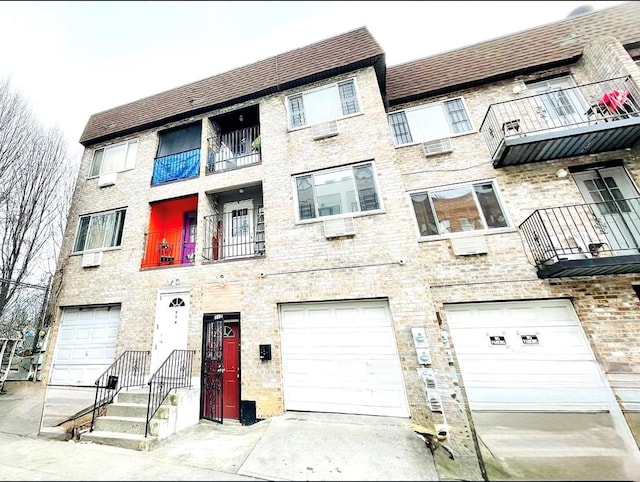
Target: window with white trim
(429,122)
(348,189)
(324,104)
(98,231)
(115,158)
(464,207)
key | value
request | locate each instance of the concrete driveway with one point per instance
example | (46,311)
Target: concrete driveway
(293,446)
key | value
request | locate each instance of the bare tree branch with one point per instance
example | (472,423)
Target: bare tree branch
(37,176)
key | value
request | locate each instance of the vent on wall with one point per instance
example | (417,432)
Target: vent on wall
(438,146)
(335,228)
(469,245)
(324,130)
(92,259)
(108,179)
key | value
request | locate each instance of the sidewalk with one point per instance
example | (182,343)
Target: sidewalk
(293,446)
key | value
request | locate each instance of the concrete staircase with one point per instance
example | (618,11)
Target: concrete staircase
(124,423)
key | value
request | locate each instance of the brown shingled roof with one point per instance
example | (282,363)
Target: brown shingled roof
(505,56)
(348,49)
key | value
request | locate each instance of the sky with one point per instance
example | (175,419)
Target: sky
(73,59)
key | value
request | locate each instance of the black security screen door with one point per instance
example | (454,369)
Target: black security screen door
(212,368)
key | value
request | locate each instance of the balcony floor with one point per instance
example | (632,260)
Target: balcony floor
(593,138)
(591,267)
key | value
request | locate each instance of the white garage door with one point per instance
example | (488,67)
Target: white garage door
(86,345)
(341,357)
(529,355)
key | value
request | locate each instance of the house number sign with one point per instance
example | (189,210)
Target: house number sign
(498,340)
(530,339)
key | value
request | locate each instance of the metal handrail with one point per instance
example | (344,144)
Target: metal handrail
(606,228)
(127,371)
(175,372)
(565,108)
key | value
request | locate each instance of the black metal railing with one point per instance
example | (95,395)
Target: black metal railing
(175,372)
(129,370)
(560,109)
(235,234)
(233,150)
(183,165)
(168,247)
(581,231)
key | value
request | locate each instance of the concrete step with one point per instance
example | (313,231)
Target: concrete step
(136,410)
(134,396)
(123,440)
(135,425)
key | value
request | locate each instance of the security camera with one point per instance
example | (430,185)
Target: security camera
(262,275)
(402,261)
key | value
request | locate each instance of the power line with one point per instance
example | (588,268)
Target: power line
(20,283)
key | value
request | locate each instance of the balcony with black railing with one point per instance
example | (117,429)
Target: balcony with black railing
(169,247)
(585,239)
(233,235)
(233,150)
(175,167)
(587,119)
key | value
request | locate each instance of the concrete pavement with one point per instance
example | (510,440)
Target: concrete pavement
(293,446)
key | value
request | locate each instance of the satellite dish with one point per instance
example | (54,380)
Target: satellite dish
(581,10)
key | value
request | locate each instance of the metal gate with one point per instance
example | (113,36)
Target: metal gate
(212,368)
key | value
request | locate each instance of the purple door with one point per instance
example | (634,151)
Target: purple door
(189,237)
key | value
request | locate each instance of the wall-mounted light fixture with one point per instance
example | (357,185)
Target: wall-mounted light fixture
(562,173)
(221,280)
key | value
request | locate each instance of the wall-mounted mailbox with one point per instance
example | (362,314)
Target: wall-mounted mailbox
(265,352)
(112,382)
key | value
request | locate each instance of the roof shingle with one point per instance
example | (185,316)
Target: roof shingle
(547,44)
(329,54)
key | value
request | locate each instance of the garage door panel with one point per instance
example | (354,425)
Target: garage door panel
(341,357)
(86,345)
(558,372)
(320,342)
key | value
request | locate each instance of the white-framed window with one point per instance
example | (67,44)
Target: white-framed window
(98,231)
(430,122)
(347,189)
(115,158)
(475,206)
(323,104)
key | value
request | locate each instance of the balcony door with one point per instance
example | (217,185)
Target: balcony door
(238,229)
(617,208)
(558,107)
(189,237)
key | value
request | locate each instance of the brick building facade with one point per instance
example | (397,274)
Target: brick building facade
(380,203)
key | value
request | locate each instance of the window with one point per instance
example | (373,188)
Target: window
(179,140)
(324,104)
(470,207)
(98,231)
(349,189)
(429,122)
(118,157)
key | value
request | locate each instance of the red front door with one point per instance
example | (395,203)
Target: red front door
(231,374)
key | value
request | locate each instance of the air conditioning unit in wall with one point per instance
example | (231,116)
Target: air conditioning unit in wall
(469,245)
(324,130)
(92,259)
(108,179)
(438,146)
(335,228)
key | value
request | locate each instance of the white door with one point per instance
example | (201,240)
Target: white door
(526,356)
(171,326)
(85,346)
(238,229)
(617,209)
(341,357)
(558,107)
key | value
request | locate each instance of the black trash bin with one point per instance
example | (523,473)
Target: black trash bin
(247,412)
